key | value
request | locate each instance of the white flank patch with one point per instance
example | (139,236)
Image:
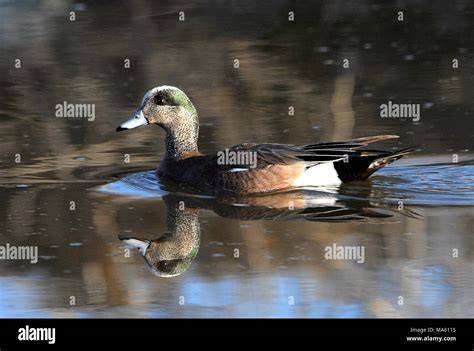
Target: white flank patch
(319,175)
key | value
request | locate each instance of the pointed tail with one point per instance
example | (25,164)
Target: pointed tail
(385,160)
(363,165)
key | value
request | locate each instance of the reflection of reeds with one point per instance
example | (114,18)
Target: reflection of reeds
(398,256)
(341,107)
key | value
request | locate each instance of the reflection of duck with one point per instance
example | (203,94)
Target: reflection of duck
(173,253)
(251,168)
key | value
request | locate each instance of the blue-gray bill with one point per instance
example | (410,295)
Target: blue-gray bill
(137,120)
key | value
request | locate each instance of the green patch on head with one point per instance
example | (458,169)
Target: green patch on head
(169,96)
(179,98)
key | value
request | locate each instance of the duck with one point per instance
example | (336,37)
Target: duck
(247,168)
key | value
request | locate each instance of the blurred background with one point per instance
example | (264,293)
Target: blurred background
(282,64)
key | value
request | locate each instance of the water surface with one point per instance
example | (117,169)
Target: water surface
(410,218)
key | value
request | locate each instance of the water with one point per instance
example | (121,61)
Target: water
(247,257)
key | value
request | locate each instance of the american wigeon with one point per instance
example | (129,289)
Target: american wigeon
(251,168)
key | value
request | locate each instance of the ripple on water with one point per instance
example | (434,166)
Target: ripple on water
(428,184)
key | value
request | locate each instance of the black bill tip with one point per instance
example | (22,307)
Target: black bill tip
(119,129)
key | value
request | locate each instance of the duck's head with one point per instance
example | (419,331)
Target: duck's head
(165,106)
(171,109)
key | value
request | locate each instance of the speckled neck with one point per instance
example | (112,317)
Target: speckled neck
(182,134)
(180,143)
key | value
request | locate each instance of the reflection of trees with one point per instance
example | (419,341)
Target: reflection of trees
(411,258)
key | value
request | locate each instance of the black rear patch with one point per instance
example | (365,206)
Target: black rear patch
(362,165)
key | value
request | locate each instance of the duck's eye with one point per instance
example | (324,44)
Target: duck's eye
(136,117)
(160,100)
